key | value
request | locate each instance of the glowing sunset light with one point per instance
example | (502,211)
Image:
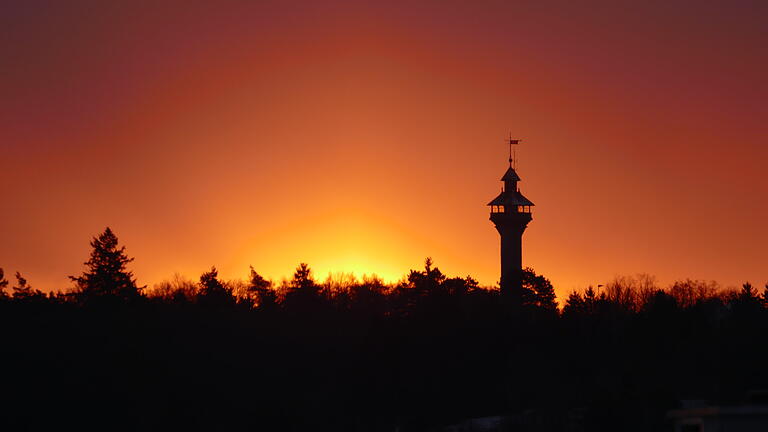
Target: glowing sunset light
(364,138)
(347,215)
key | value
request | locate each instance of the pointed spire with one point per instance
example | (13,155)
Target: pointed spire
(512,155)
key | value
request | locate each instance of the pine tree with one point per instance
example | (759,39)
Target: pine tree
(213,292)
(538,291)
(261,289)
(748,301)
(765,294)
(302,278)
(107,275)
(303,293)
(426,282)
(22,289)
(574,305)
(748,292)
(4,284)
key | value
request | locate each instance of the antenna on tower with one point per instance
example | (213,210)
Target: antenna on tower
(512,152)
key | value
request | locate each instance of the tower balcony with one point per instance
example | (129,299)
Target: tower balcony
(511,222)
(510,209)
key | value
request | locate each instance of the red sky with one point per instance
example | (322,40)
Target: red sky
(364,137)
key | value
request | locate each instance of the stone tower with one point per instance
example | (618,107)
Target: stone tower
(510,213)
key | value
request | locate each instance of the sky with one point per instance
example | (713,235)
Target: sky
(365,136)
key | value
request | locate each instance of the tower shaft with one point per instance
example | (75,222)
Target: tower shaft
(511,227)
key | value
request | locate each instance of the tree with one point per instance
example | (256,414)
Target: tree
(747,301)
(106,275)
(764,296)
(458,286)
(4,284)
(689,292)
(178,289)
(369,297)
(622,292)
(574,305)
(584,304)
(428,281)
(261,290)
(213,292)
(302,278)
(538,291)
(748,293)
(302,293)
(22,289)
(660,304)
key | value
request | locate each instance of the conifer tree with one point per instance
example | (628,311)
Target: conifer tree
(428,281)
(4,284)
(765,295)
(538,291)
(106,272)
(22,289)
(574,305)
(302,278)
(303,293)
(213,292)
(261,289)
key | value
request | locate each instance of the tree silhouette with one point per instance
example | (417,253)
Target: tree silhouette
(748,293)
(176,290)
(764,296)
(538,291)
(4,284)
(106,274)
(689,292)
(22,290)
(428,281)
(421,289)
(261,290)
(588,303)
(302,278)
(660,303)
(302,293)
(213,292)
(369,298)
(574,305)
(747,302)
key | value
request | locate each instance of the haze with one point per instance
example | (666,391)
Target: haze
(365,137)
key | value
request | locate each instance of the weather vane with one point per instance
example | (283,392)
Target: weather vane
(512,153)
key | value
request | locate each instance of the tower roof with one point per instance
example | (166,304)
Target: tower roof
(511,198)
(510,175)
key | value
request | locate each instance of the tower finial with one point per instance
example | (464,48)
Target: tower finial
(512,153)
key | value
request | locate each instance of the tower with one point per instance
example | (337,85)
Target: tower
(510,213)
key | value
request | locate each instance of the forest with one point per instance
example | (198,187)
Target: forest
(362,355)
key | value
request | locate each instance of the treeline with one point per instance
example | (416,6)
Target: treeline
(107,281)
(358,355)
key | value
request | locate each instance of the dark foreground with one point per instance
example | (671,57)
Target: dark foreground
(418,356)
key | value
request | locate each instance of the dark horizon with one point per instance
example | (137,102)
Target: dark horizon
(430,352)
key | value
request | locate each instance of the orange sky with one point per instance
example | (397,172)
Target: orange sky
(366,137)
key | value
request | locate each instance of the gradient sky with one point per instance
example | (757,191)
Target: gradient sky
(365,136)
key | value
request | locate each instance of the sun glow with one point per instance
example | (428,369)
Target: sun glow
(267,134)
(337,242)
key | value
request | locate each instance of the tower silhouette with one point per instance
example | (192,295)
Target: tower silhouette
(511,213)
